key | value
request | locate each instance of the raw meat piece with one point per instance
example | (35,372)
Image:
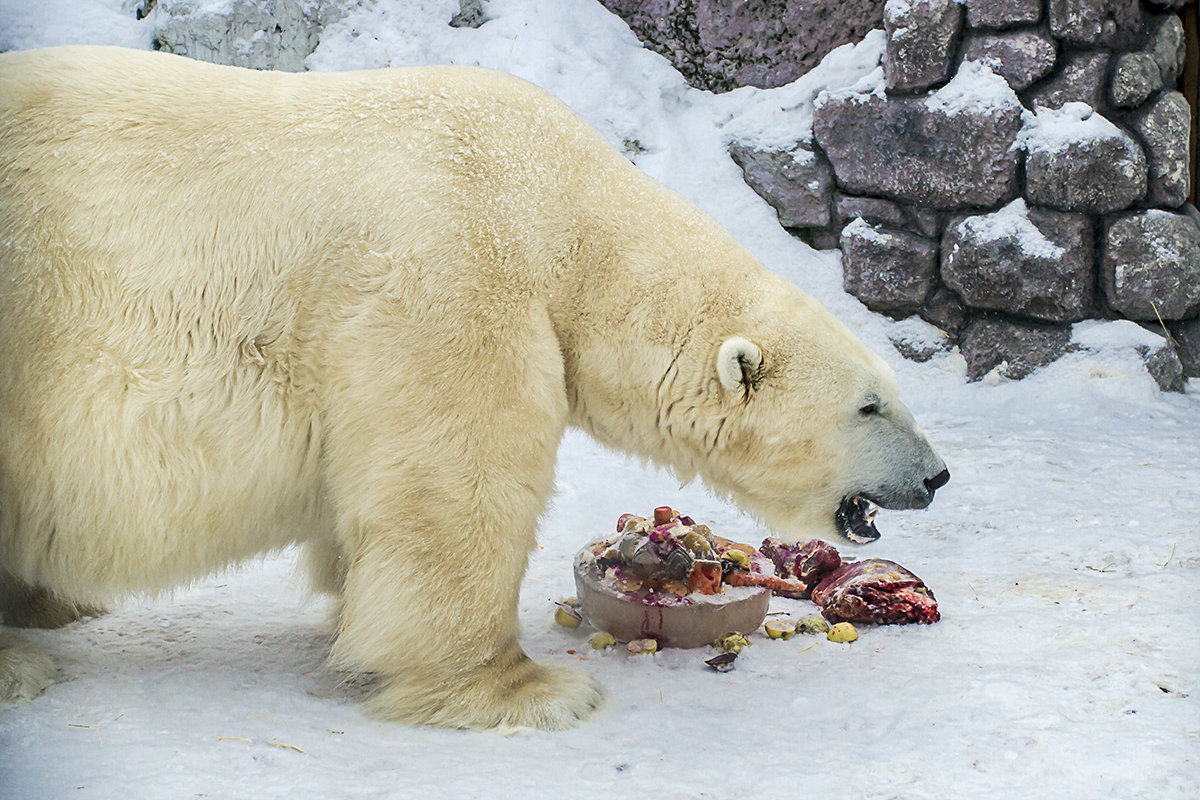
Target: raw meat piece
(877,591)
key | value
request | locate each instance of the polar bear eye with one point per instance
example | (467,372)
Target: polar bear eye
(869,409)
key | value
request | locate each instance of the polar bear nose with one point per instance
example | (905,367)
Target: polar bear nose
(937,481)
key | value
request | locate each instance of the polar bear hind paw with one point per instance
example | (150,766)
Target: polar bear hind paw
(25,671)
(526,695)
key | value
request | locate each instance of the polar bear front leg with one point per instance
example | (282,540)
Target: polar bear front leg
(430,604)
(438,477)
(25,671)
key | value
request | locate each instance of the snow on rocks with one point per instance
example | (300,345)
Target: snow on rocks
(1079,161)
(883,146)
(1028,262)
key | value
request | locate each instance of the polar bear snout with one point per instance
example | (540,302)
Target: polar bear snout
(937,482)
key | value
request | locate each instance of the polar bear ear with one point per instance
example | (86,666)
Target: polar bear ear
(738,362)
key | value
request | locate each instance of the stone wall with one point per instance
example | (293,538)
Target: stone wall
(1024,166)
(719,45)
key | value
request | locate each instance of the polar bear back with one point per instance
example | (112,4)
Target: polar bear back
(178,237)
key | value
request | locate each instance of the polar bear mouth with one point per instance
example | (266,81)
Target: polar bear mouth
(855,519)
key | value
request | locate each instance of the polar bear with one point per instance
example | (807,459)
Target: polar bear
(243,310)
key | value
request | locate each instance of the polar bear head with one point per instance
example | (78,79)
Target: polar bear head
(812,434)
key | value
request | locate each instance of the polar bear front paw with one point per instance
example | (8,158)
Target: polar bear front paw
(25,671)
(525,695)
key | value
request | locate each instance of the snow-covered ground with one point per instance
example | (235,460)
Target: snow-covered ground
(1065,552)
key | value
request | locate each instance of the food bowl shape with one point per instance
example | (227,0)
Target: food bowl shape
(694,620)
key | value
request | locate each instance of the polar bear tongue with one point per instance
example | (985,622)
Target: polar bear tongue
(855,520)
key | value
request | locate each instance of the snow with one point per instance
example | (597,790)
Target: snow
(1053,130)
(864,230)
(1011,223)
(1064,553)
(975,89)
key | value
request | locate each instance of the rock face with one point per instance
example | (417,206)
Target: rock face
(951,148)
(1031,263)
(1164,126)
(1020,57)
(271,34)
(889,270)
(1002,13)
(1114,23)
(1151,267)
(1081,79)
(1042,184)
(719,45)
(1187,335)
(1079,161)
(797,183)
(921,35)
(1018,348)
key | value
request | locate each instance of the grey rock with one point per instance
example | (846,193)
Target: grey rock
(1080,79)
(1002,13)
(1151,265)
(944,309)
(919,349)
(942,155)
(1075,163)
(798,183)
(470,14)
(1165,126)
(271,34)
(1020,57)
(1140,73)
(1018,348)
(1027,262)
(1135,77)
(921,36)
(718,45)
(878,211)
(1114,23)
(890,271)
(1164,365)
(1187,338)
(1167,46)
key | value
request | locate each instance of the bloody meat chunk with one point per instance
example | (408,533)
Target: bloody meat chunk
(876,591)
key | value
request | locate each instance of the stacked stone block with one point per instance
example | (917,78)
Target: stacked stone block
(1024,168)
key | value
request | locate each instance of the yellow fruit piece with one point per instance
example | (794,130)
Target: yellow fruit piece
(842,632)
(813,623)
(602,640)
(567,617)
(732,643)
(780,629)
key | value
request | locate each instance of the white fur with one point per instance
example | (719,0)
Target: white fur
(241,310)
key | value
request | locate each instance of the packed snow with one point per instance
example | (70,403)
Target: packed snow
(1064,552)
(974,88)
(1011,223)
(1054,129)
